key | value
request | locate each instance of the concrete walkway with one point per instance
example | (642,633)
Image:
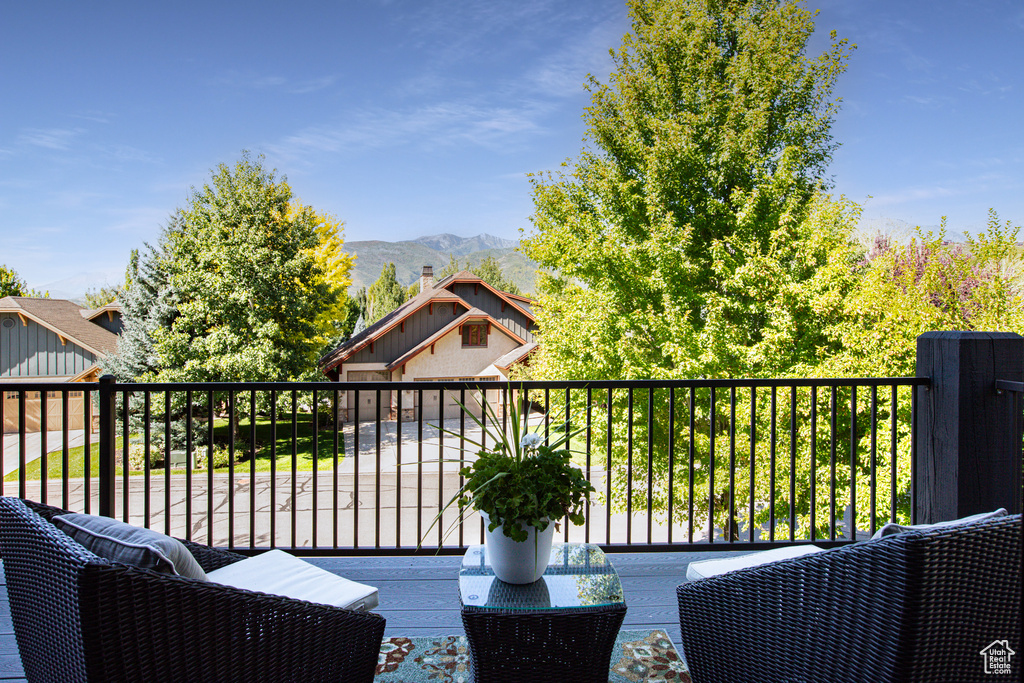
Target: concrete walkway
(365,505)
(33,446)
(433,447)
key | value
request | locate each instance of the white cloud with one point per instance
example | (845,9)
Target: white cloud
(252,81)
(564,72)
(428,126)
(50,138)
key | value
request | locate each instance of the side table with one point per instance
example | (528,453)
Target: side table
(559,628)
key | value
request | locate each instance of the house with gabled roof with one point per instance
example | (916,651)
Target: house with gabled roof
(51,340)
(458,328)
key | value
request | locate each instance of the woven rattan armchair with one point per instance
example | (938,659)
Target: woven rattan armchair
(78,617)
(916,606)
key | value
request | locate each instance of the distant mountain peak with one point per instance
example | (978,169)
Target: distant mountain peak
(409,257)
(460,246)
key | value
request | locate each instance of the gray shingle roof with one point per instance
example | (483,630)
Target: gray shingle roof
(65,318)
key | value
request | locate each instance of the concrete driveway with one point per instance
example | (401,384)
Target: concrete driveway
(33,446)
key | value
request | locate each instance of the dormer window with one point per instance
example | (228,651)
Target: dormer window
(474,334)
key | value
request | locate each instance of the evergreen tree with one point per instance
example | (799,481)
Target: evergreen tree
(384,295)
(453,266)
(148,305)
(489,271)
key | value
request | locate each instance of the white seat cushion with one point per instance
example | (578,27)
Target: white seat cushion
(706,568)
(278,573)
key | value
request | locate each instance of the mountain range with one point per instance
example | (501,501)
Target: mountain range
(409,257)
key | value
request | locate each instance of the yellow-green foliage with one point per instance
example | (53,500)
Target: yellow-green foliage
(928,285)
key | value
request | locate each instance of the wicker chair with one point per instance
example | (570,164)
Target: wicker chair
(916,606)
(78,617)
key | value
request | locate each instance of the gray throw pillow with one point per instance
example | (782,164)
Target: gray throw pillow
(132,545)
(894,528)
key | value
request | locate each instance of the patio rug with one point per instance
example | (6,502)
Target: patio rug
(637,656)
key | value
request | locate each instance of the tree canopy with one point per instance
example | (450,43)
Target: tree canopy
(258,282)
(11,284)
(929,284)
(691,235)
(488,270)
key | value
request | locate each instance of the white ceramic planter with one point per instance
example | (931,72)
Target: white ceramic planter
(518,561)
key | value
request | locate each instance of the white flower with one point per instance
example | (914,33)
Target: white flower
(531,440)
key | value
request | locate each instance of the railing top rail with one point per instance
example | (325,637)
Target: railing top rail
(473,384)
(49,386)
(1006,385)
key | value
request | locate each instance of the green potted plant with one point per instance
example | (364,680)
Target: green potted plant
(521,484)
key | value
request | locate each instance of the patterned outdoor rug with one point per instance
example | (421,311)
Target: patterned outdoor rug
(637,656)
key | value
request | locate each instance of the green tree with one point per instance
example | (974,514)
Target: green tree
(927,285)
(101,296)
(355,313)
(707,150)
(692,237)
(453,266)
(384,295)
(11,284)
(250,286)
(489,271)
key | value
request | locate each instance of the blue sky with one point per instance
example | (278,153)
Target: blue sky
(413,117)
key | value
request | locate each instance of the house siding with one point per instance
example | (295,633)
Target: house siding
(490,303)
(34,351)
(115,325)
(419,326)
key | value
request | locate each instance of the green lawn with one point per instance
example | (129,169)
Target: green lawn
(221,435)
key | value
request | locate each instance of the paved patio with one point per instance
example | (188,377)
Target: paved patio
(419,595)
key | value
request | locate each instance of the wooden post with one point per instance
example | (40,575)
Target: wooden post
(108,443)
(969,434)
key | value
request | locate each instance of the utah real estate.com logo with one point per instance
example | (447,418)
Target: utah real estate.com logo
(997,657)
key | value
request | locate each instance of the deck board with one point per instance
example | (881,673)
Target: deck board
(419,596)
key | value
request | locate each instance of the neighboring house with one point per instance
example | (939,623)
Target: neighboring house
(459,328)
(51,340)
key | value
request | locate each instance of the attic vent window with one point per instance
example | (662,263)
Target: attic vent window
(8,323)
(474,335)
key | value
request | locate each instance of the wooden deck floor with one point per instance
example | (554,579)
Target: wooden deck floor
(419,595)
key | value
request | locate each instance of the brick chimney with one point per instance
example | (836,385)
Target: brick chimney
(427,279)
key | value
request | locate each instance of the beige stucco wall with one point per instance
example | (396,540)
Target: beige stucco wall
(451,361)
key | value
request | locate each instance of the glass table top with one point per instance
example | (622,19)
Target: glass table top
(578,575)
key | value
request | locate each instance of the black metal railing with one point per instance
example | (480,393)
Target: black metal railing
(362,468)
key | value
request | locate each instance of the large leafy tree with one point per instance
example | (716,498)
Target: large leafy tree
(692,237)
(683,227)
(256,278)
